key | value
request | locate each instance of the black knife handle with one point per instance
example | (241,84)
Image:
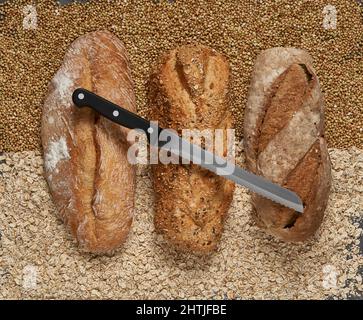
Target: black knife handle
(84,98)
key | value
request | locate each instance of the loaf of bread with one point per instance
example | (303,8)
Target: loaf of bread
(189,90)
(85,155)
(284,140)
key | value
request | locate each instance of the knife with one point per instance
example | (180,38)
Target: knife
(182,148)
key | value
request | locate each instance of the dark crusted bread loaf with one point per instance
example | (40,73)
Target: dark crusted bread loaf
(284,140)
(85,155)
(189,89)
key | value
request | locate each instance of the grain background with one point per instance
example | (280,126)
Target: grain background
(38,258)
(239,29)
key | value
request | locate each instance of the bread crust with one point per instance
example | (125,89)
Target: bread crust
(284,140)
(189,90)
(85,155)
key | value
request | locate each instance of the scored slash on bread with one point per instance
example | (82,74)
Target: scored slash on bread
(284,140)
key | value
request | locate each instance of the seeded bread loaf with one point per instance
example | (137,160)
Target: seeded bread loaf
(85,155)
(284,140)
(189,90)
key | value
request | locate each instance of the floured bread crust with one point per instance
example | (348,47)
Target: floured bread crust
(284,140)
(85,155)
(189,90)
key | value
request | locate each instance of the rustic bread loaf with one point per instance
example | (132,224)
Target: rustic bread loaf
(284,140)
(189,90)
(85,155)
